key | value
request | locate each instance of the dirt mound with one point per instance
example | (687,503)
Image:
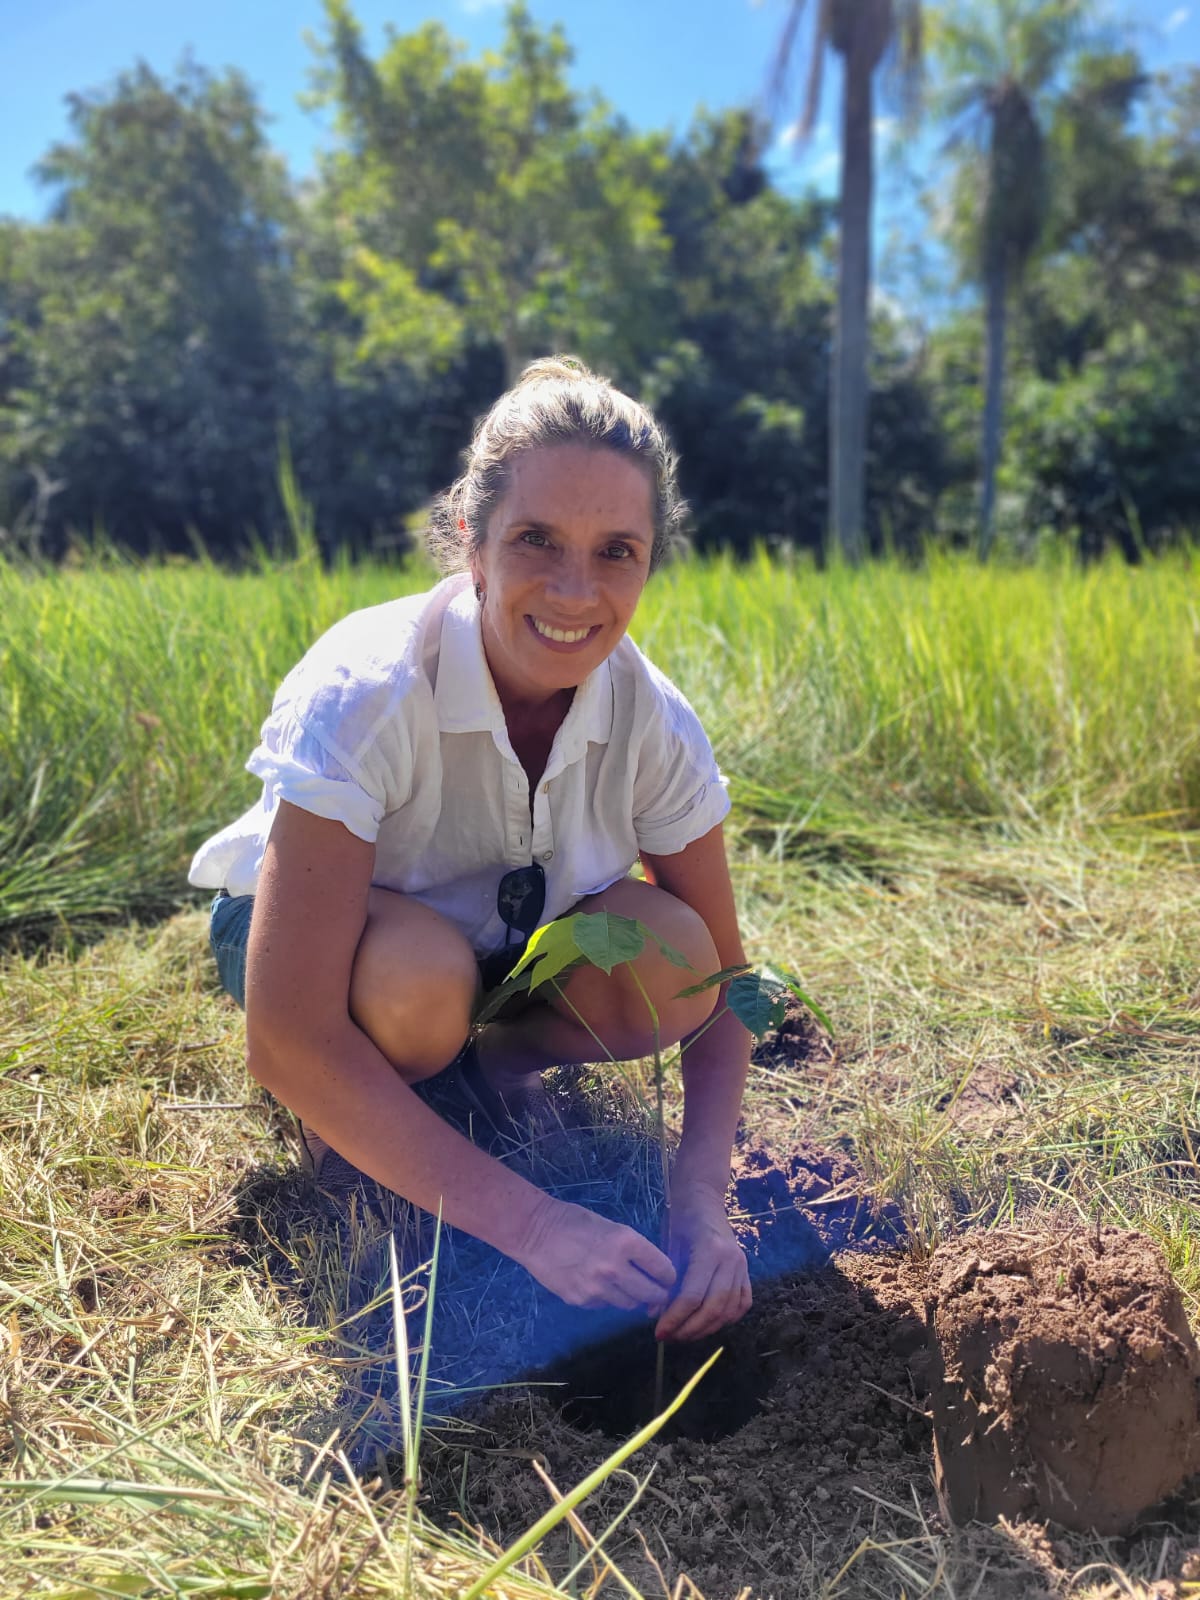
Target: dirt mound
(1064,1378)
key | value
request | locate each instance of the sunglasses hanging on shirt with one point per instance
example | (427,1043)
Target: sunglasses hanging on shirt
(520,901)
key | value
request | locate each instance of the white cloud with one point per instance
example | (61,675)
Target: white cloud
(1176,20)
(885,127)
(475,6)
(788,138)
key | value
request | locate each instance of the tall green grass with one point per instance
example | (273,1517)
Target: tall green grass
(131,694)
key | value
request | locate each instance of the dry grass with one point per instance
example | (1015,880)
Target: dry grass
(204,1390)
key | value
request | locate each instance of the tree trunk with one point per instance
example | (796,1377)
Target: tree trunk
(848,394)
(996,292)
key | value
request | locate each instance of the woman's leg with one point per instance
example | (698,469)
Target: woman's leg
(412,988)
(551,1034)
(413,985)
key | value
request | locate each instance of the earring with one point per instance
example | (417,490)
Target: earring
(479,592)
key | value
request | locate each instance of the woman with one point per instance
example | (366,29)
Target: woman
(430,766)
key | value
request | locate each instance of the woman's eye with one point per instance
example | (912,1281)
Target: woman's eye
(618,552)
(533,537)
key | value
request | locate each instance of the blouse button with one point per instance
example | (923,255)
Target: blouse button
(547,855)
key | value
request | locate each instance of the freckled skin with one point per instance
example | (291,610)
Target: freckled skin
(569,544)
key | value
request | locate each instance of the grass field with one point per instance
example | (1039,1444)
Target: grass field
(966,804)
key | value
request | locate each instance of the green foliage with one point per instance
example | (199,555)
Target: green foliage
(1002,64)
(196,351)
(485,201)
(839,704)
(756,1002)
(1103,413)
(602,938)
(152,314)
(187,308)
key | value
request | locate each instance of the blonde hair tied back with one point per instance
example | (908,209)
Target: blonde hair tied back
(556,400)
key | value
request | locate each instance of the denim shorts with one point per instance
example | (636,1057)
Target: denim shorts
(229,934)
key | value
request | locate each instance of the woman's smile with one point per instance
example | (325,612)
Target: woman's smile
(554,634)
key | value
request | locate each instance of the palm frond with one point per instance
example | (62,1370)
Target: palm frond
(786,53)
(907,64)
(781,62)
(816,68)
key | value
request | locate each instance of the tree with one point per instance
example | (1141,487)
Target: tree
(146,361)
(742,380)
(1105,415)
(1002,64)
(484,201)
(740,377)
(862,33)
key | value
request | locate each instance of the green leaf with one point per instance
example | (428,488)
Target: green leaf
(806,1000)
(673,956)
(725,974)
(552,950)
(607,940)
(756,1002)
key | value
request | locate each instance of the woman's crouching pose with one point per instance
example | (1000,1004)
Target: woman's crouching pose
(445,772)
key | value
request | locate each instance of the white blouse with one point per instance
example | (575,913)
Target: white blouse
(391,725)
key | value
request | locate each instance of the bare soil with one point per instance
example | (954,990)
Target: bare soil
(815,1408)
(820,1414)
(1065,1379)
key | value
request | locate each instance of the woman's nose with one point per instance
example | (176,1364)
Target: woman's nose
(573,582)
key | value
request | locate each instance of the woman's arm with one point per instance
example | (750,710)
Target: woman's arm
(302,1044)
(715,1060)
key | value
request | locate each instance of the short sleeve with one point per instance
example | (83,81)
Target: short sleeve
(296,766)
(679,793)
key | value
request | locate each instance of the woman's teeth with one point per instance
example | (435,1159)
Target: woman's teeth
(561,635)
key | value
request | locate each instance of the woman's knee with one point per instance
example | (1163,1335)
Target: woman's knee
(413,985)
(678,925)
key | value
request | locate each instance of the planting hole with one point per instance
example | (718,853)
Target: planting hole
(609,1388)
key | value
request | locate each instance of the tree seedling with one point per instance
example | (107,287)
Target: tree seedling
(757,998)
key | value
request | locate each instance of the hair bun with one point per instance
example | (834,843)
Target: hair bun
(555,369)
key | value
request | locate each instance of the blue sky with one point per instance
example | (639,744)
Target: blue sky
(655,60)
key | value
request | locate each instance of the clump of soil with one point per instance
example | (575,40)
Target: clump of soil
(795,1043)
(988,1099)
(1064,1378)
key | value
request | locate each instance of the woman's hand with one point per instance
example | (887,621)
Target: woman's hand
(588,1261)
(716,1282)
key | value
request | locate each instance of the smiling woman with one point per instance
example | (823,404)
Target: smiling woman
(443,774)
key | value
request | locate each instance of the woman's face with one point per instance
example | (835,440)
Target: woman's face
(565,559)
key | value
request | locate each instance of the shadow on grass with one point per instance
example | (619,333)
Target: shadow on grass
(492,1324)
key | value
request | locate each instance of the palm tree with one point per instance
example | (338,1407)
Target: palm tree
(862,33)
(1002,63)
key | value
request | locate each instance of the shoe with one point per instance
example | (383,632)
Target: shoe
(515,1119)
(329,1171)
